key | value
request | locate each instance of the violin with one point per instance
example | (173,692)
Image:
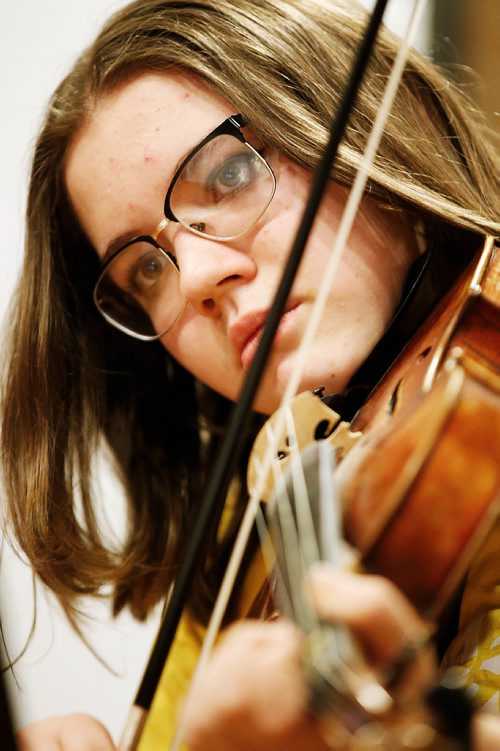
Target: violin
(436,409)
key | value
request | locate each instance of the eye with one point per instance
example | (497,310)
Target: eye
(233,172)
(145,273)
(233,175)
(151,267)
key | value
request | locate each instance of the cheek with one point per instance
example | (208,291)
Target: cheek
(292,189)
(184,342)
(196,345)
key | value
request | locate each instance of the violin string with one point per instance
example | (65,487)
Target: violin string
(296,523)
(282,540)
(333,547)
(303,507)
(291,522)
(286,594)
(334,657)
(293,534)
(298,538)
(290,562)
(282,548)
(354,199)
(331,519)
(286,567)
(331,663)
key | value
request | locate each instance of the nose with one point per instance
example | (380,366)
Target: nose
(210,270)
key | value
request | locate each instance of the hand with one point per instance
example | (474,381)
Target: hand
(253,696)
(74,732)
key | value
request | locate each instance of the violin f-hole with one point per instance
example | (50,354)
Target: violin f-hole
(393,400)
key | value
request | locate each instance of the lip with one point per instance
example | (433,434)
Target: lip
(244,333)
(246,328)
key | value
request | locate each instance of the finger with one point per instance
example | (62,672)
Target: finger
(394,639)
(373,608)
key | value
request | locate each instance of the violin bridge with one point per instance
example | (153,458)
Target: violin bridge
(312,421)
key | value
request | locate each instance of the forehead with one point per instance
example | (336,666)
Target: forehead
(120,164)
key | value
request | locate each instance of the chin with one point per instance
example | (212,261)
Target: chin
(271,392)
(267,403)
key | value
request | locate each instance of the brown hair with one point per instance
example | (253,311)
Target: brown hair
(71,379)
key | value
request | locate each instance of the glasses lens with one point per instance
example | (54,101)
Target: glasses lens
(223,190)
(139,291)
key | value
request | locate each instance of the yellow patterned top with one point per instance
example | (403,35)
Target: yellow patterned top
(476,648)
(162,720)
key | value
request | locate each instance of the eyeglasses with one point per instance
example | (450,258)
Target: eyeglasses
(220,191)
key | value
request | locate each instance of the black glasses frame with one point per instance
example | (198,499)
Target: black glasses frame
(133,240)
(230,127)
(113,321)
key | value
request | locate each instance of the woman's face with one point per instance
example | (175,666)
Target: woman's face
(118,171)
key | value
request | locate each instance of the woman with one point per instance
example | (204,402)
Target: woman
(173,117)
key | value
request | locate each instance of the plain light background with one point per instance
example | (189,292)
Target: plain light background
(59,674)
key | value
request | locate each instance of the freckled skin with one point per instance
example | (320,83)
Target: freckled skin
(224,281)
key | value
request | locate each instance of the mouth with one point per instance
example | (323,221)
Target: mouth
(246,332)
